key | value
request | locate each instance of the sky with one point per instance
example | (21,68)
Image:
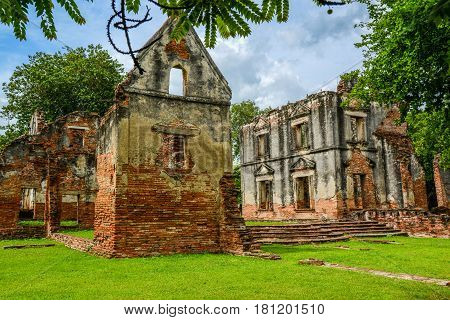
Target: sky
(276,64)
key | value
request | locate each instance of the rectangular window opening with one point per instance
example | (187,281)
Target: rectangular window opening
(303,199)
(358,129)
(265,195)
(301,136)
(262,145)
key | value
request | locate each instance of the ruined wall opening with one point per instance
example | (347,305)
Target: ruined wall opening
(262,145)
(302,193)
(358,129)
(27,204)
(177,151)
(177,81)
(301,135)
(265,195)
(77,138)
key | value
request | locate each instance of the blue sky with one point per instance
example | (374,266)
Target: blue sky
(276,64)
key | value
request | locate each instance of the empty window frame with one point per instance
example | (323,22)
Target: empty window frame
(77,138)
(265,195)
(358,129)
(262,142)
(301,135)
(177,82)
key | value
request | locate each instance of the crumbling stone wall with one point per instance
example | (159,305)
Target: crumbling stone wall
(164,161)
(354,158)
(442,183)
(57,161)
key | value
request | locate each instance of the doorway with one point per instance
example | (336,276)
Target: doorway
(302,193)
(265,195)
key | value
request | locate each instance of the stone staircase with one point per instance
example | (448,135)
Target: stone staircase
(317,232)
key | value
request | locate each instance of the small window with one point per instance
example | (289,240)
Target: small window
(301,136)
(177,83)
(262,148)
(77,138)
(177,148)
(265,195)
(358,129)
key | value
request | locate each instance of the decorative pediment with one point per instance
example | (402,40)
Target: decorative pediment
(299,109)
(303,164)
(264,170)
(261,123)
(177,127)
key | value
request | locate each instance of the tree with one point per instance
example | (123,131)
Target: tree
(406,62)
(241,114)
(81,79)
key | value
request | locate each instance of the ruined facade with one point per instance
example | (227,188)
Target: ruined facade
(314,159)
(50,174)
(164,160)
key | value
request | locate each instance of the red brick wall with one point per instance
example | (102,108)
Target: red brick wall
(415,222)
(104,228)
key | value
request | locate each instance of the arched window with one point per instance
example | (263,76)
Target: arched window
(177,82)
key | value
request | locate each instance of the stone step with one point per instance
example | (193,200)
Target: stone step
(319,232)
(381,234)
(284,236)
(301,240)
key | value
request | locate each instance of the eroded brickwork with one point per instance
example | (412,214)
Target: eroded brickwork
(56,162)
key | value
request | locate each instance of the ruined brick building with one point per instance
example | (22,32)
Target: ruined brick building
(314,159)
(164,158)
(50,173)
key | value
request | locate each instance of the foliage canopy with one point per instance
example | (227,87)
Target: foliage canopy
(81,79)
(406,62)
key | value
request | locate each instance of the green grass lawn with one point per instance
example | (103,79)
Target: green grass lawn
(61,273)
(39,223)
(88,234)
(68,223)
(31,223)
